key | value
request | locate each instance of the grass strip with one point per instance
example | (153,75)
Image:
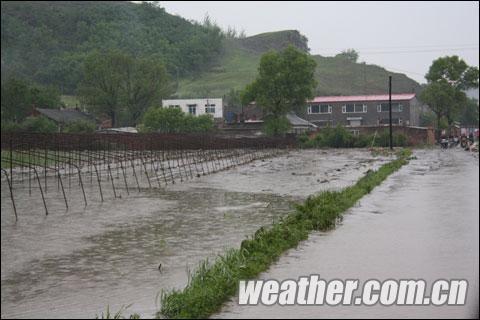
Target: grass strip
(210,285)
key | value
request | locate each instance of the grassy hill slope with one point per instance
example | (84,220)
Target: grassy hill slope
(335,75)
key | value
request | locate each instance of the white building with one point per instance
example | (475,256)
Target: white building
(196,107)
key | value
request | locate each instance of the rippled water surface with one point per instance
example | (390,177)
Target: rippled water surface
(423,222)
(75,263)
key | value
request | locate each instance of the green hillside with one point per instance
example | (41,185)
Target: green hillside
(47,41)
(335,75)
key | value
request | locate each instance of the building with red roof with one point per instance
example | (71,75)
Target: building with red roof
(363,110)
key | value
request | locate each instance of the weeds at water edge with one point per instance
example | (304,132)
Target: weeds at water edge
(212,284)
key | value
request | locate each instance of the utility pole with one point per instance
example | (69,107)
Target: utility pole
(390,109)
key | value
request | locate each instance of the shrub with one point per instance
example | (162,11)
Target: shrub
(173,120)
(39,125)
(80,126)
(164,120)
(339,137)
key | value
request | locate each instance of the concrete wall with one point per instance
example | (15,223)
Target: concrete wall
(199,103)
(415,135)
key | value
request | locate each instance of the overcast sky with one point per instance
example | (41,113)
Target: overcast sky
(400,36)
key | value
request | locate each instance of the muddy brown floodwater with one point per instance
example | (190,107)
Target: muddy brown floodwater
(422,222)
(75,263)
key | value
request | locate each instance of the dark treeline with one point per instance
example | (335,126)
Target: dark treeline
(47,42)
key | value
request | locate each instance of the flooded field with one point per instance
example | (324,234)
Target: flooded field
(75,263)
(423,222)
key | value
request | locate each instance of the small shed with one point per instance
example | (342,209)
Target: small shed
(299,125)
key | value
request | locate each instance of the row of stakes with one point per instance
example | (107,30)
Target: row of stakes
(29,163)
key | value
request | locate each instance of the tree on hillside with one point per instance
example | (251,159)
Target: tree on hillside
(285,81)
(115,82)
(349,54)
(448,78)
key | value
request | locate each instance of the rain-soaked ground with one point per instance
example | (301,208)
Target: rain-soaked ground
(75,263)
(423,222)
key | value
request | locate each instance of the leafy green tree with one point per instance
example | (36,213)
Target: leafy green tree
(469,113)
(447,78)
(276,126)
(285,81)
(19,97)
(427,119)
(101,88)
(115,83)
(15,102)
(146,84)
(45,97)
(455,71)
(440,97)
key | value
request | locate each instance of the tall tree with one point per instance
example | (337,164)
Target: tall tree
(146,84)
(285,81)
(115,82)
(455,71)
(101,87)
(448,78)
(15,103)
(19,97)
(469,114)
(440,97)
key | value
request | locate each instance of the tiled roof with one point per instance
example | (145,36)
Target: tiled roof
(64,116)
(297,121)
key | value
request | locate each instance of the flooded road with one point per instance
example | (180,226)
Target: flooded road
(75,263)
(422,222)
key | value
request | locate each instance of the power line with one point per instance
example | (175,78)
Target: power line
(418,51)
(409,51)
(405,71)
(408,47)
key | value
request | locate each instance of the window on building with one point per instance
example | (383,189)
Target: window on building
(209,108)
(384,107)
(176,106)
(320,108)
(394,121)
(354,108)
(354,122)
(192,109)
(355,132)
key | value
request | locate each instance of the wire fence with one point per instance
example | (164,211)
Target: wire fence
(115,164)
